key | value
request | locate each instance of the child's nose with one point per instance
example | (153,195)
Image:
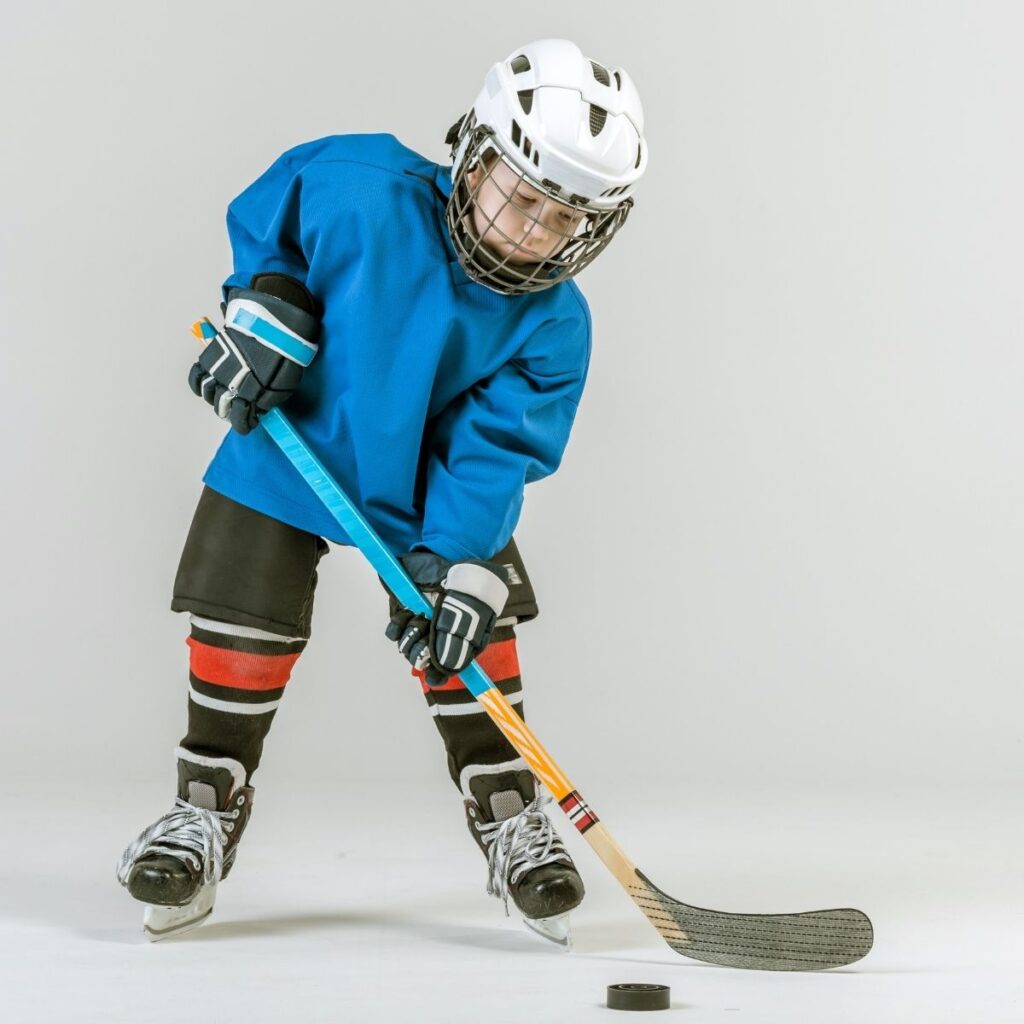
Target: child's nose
(539,231)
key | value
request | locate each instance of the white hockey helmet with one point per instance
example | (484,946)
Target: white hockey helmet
(570,127)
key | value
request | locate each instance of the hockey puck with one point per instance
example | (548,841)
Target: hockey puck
(638,997)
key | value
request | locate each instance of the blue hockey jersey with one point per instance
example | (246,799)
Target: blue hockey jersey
(433,400)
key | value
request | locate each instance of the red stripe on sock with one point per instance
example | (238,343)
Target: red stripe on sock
(499,660)
(238,670)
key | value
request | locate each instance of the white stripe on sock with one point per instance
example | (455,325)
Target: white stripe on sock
(230,706)
(476,708)
(230,629)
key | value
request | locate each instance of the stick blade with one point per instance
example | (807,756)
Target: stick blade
(811,941)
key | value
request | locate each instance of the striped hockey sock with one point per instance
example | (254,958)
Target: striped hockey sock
(470,736)
(237,676)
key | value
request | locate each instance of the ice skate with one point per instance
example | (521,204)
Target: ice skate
(174,866)
(526,859)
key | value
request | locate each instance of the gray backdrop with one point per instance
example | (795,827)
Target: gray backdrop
(793,492)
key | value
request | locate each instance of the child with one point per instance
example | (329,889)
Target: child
(454,353)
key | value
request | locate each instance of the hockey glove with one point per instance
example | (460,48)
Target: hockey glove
(467,598)
(256,361)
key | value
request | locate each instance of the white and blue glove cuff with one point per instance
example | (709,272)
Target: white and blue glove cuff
(253,318)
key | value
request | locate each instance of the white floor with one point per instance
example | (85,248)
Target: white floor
(343,910)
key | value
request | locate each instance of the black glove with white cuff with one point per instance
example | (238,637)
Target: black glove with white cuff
(467,597)
(256,361)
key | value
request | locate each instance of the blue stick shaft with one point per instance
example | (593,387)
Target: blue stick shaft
(359,531)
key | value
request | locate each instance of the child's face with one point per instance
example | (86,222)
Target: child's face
(517,222)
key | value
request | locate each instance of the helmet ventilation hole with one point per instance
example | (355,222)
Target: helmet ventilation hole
(598,116)
(526,100)
(520,141)
(600,73)
(520,64)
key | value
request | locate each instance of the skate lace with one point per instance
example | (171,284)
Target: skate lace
(192,834)
(519,844)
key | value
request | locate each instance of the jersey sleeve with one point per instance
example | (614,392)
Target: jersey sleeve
(502,434)
(265,223)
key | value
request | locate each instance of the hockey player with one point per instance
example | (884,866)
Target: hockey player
(451,352)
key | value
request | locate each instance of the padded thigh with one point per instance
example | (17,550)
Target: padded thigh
(241,566)
(522,602)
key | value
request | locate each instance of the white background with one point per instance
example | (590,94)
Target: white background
(780,570)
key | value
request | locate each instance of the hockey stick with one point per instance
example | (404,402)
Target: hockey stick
(809,941)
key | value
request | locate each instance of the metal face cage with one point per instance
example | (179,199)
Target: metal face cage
(515,234)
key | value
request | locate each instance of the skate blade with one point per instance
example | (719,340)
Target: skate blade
(159,923)
(557,929)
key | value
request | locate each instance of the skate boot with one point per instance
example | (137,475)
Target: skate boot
(525,856)
(175,864)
